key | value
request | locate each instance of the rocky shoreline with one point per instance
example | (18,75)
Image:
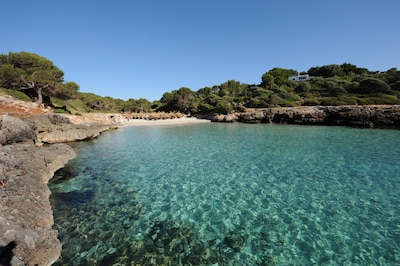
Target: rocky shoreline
(30,153)
(32,150)
(369,116)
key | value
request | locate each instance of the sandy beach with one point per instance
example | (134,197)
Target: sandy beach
(175,121)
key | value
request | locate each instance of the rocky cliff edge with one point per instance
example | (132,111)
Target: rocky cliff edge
(26,165)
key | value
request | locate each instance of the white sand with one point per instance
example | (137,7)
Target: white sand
(175,121)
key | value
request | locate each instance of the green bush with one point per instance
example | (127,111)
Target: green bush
(332,101)
(286,103)
(372,85)
(302,87)
(379,99)
(15,93)
(348,100)
(60,111)
(312,102)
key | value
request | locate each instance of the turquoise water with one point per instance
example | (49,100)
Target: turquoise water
(231,194)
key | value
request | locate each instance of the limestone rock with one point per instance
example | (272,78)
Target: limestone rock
(378,116)
(225,118)
(48,122)
(25,212)
(73,133)
(13,130)
(58,128)
(26,218)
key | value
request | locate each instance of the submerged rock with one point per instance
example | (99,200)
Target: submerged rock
(173,243)
(76,197)
(235,240)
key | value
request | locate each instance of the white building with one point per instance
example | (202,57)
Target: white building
(300,77)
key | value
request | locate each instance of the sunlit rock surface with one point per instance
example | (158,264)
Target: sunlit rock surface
(372,116)
(57,129)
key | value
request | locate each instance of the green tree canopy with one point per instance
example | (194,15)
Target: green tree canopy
(326,71)
(178,100)
(371,85)
(143,105)
(267,80)
(278,76)
(349,69)
(330,85)
(30,71)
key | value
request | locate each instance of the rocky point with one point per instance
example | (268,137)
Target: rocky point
(26,165)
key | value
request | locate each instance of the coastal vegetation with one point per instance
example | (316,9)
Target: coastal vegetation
(32,77)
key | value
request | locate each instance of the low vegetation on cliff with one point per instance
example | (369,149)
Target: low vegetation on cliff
(32,77)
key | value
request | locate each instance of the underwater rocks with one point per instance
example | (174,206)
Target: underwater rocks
(76,197)
(165,242)
(371,116)
(175,243)
(235,240)
(26,218)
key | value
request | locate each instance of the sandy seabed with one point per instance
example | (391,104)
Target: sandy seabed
(175,121)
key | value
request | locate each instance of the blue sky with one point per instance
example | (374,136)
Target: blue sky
(141,49)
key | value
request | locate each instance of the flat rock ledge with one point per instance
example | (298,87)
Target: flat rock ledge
(26,165)
(59,129)
(370,116)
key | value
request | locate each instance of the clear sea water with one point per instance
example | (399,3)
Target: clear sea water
(231,194)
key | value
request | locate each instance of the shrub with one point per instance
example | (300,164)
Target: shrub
(286,103)
(302,87)
(348,100)
(312,102)
(60,111)
(379,99)
(332,101)
(15,93)
(373,85)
